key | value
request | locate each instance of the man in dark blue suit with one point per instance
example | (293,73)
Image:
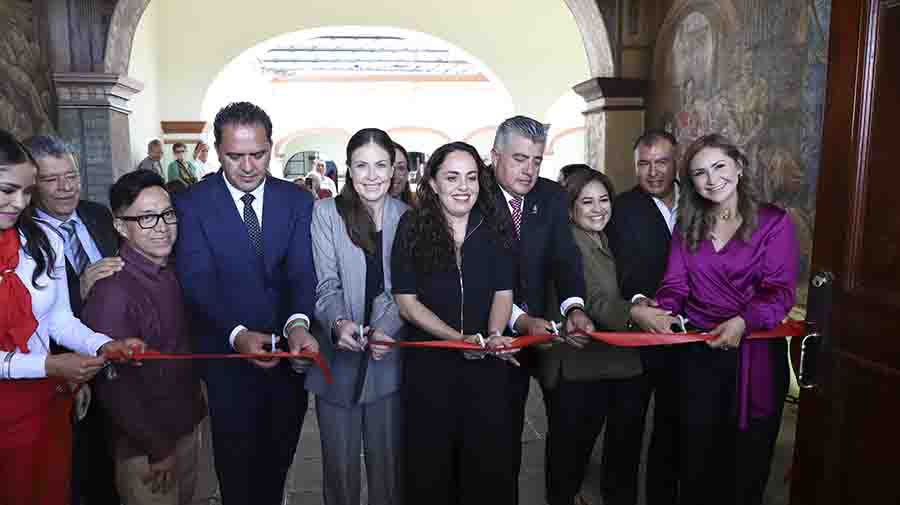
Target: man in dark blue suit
(244,258)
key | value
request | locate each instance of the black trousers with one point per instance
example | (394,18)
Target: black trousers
(661,371)
(457,430)
(576,414)
(519,385)
(721,464)
(256,417)
(93,471)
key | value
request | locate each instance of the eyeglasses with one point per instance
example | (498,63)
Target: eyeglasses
(149,221)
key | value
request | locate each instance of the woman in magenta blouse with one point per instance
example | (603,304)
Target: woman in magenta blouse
(732,270)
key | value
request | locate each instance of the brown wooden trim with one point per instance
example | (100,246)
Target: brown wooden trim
(612,87)
(182,127)
(183,141)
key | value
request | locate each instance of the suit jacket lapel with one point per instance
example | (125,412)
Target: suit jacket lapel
(229,222)
(273,230)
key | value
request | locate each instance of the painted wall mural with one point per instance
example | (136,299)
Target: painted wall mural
(753,70)
(24,84)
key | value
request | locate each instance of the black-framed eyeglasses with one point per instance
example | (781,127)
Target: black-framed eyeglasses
(149,221)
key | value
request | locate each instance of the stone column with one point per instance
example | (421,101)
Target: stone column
(93,116)
(614,119)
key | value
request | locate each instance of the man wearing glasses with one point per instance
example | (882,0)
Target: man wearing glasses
(156,408)
(90,248)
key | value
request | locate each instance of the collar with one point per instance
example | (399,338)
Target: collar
(509,197)
(134,259)
(236,194)
(54,222)
(677,192)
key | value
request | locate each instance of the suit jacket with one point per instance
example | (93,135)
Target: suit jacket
(546,251)
(639,239)
(99,222)
(607,309)
(227,284)
(340,294)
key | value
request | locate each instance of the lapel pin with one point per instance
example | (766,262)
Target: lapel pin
(534,210)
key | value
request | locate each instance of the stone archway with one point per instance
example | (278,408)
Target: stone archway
(595,36)
(122,27)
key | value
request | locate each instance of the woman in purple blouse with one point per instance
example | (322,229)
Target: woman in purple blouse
(732,270)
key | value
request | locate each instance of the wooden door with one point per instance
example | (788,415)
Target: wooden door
(848,435)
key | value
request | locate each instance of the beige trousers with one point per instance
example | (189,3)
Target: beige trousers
(193,467)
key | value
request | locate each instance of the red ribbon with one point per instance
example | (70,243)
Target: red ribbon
(622,339)
(156,355)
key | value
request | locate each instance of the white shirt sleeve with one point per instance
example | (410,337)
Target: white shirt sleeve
(517,312)
(568,303)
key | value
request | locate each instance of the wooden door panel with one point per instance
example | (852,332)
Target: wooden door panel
(846,444)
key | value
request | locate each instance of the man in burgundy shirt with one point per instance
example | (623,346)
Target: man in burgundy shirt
(156,408)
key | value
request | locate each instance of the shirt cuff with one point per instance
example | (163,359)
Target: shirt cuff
(568,303)
(636,298)
(516,314)
(234,333)
(25,366)
(295,317)
(96,342)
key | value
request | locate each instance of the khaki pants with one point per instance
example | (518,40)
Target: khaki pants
(192,462)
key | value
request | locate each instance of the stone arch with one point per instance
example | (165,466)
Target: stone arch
(419,129)
(551,146)
(469,136)
(122,27)
(284,141)
(595,36)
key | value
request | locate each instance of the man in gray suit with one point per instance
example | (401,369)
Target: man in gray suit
(153,161)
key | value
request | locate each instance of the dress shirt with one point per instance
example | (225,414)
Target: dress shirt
(259,194)
(154,405)
(54,315)
(669,216)
(516,310)
(87,242)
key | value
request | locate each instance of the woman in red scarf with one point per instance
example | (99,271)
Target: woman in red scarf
(35,396)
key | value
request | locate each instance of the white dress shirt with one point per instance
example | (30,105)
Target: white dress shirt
(669,215)
(517,311)
(259,193)
(87,242)
(54,315)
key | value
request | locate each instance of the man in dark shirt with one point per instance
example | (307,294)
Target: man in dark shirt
(156,408)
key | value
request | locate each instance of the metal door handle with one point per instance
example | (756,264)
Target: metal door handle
(810,348)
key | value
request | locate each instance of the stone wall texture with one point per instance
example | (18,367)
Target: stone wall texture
(25,98)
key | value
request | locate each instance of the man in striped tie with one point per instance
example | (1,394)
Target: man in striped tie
(546,250)
(91,248)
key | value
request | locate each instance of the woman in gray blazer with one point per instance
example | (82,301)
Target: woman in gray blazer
(352,236)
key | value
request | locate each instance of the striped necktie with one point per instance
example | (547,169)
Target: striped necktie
(74,247)
(516,206)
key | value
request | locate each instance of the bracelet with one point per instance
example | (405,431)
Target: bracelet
(7,360)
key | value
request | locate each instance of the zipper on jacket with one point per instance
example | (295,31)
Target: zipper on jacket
(462,288)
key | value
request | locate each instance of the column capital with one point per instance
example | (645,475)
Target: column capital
(613,93)
(80,90)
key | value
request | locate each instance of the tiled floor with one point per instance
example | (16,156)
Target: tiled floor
(305,480)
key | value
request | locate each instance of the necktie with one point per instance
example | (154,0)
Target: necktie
(251,221)
(76,251)
(516,206)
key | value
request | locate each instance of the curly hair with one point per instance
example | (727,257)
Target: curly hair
(696,215)
(429,239)
(37,245)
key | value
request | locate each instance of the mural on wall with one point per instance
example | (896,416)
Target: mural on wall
(24,84)
(753,70)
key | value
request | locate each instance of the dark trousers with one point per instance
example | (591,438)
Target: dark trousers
(256,417)
(661,371)
(576,414)
(93,474)
(519,384)
(457,430)
(721,464)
